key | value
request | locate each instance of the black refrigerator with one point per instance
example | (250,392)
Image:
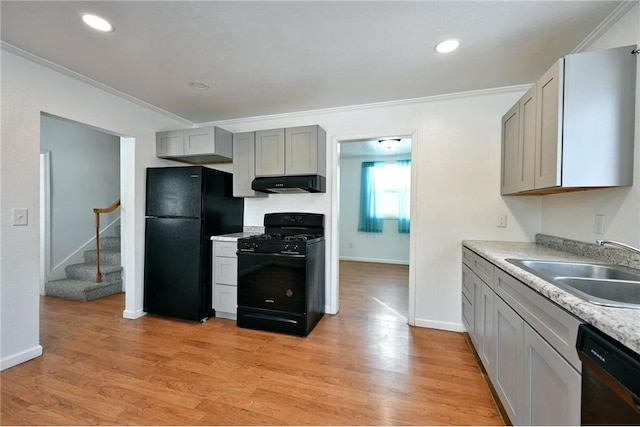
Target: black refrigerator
(185,206)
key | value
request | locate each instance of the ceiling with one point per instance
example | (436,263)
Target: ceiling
(383,146)
(263,58)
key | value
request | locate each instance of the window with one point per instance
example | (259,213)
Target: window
(385,195)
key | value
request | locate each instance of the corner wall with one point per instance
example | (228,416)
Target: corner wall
(28,89)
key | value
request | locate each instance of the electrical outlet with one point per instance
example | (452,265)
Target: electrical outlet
(598,226)
(19,216)
(501,220)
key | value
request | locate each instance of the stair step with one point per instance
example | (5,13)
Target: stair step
(110,243)
(81,290)
(107,257)
(87,272)
(117,230)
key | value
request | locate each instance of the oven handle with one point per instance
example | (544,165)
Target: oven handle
(279,255)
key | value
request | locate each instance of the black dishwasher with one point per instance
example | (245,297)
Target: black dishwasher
(610,380)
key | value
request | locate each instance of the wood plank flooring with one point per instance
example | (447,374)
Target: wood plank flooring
(364,366)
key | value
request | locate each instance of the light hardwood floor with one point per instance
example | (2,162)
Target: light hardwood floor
(364,366)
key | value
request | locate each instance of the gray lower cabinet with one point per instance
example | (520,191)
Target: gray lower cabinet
(225,279)
(550,397)
(488,344)
(509,344)
(525,343)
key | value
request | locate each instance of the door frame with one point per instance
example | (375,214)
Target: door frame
(334,247)
(45,218)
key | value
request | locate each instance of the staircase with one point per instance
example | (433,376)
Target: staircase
(80,284)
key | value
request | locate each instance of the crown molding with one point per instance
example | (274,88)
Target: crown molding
(385,104)
(82,78)
(605,25)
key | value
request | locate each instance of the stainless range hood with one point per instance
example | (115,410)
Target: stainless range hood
(290,184)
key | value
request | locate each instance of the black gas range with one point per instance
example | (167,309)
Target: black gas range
(281,282)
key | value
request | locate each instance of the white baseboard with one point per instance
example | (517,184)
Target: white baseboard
(445,326)
(380,261)
(133,314)
(21,357)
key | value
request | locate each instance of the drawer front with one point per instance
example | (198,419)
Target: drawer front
(227,249)
(484,269)
(467,282)
(225,271)
(553,323)
(467,256)
(225,299)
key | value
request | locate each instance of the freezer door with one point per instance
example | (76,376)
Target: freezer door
(175,279)
(174,192)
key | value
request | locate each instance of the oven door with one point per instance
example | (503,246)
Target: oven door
(272,281)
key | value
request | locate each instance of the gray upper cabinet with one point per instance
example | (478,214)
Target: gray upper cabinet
(518,145)
(244,155)
(292,151)
(270,152)
(195,146)
(583,108)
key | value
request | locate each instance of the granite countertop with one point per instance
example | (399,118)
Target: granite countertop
(622,324)
(233,237)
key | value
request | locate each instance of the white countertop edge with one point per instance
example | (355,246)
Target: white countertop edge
(622,324)
(233,237)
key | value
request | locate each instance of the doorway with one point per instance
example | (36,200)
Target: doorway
(387,250)
(79,170)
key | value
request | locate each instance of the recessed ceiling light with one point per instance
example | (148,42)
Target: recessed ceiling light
(97,23)
(447,46)
(199,85)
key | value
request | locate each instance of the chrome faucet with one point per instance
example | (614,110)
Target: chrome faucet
(614,243)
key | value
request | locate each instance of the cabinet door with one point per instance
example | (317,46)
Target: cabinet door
(270,152)
(244,169)
(553,386)
(549,127)
(527,141)
(301,150)
(510,141)
(468,300)
(199,141)
(508,331)
(487,342)
(170,143)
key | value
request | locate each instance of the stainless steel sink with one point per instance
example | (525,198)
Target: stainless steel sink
(605,292)
(602,284)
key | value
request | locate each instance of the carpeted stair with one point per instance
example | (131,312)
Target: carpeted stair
(80,283)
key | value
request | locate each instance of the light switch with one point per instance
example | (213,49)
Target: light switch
(19,216)
(501,220)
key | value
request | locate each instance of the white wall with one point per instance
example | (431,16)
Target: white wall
(85,174)
(572,215)
(455,186)
(388,246)
(27,90)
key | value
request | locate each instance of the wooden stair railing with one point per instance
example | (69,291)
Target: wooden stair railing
(97,212)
